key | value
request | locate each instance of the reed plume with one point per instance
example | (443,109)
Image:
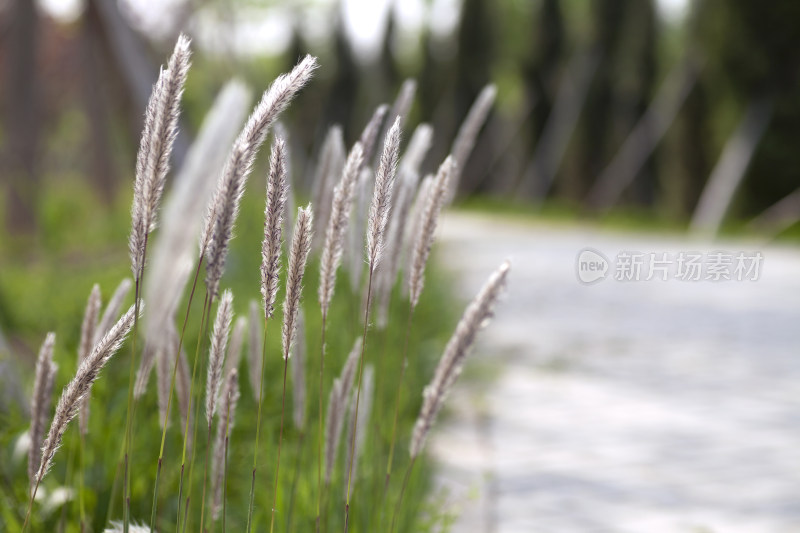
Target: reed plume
(152,162)
(355,254)
(255,337)
(301,245)
(80,385)
(225,419)
(337,407)
(40,403)
(427,229)
(224,206)
(477,314)
(85,346)
(407,181)
(216,354)
(405,98)
(298,255)
(329,168)
(382,195)
(113,309)
(337,226)
(369,137)
(413,228)
(273,220)
(468,133)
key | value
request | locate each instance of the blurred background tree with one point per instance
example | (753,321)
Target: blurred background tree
(77,73)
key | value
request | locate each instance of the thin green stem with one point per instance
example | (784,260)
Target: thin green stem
(30,506)
(358,399)
(129,415)
(258,427)
(203,336)
(225,469)
(402,492)
(82,463)
(205,478)
(171,392)
(301,447)
(280,440)
(206,310)
(398,396)
(320,436)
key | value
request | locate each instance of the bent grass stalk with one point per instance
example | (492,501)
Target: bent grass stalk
(358,397)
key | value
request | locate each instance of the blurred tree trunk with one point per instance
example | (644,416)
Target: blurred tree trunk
(22,118)
(644,28)
(475,38)
(96,104)
(609,17)
(543,65)
(693,155)
(636,150)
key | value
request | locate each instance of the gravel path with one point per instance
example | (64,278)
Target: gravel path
(650,406)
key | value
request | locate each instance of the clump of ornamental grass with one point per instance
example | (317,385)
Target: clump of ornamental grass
(384,220)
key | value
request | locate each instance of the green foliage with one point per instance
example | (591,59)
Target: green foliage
(44,287)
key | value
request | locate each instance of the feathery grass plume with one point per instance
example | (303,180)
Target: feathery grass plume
(152,162)
(337,406)
(298,255)
(273,219)
(358,222)
(173,256)
(216,354)
(404,100)
(412,229)
(329,168)
(337,226)
(407,181)
(113,309)
(301,245)
(382,195)
(80,385)
(235,345)
(289,206)
(225,416)
(475,317)
(254,362)
(400,107)
(369,137)
(117,527)
(468,133)
(361,432)
(85,346)
(224,206)
(40,403)
(298,361)
(427,229)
